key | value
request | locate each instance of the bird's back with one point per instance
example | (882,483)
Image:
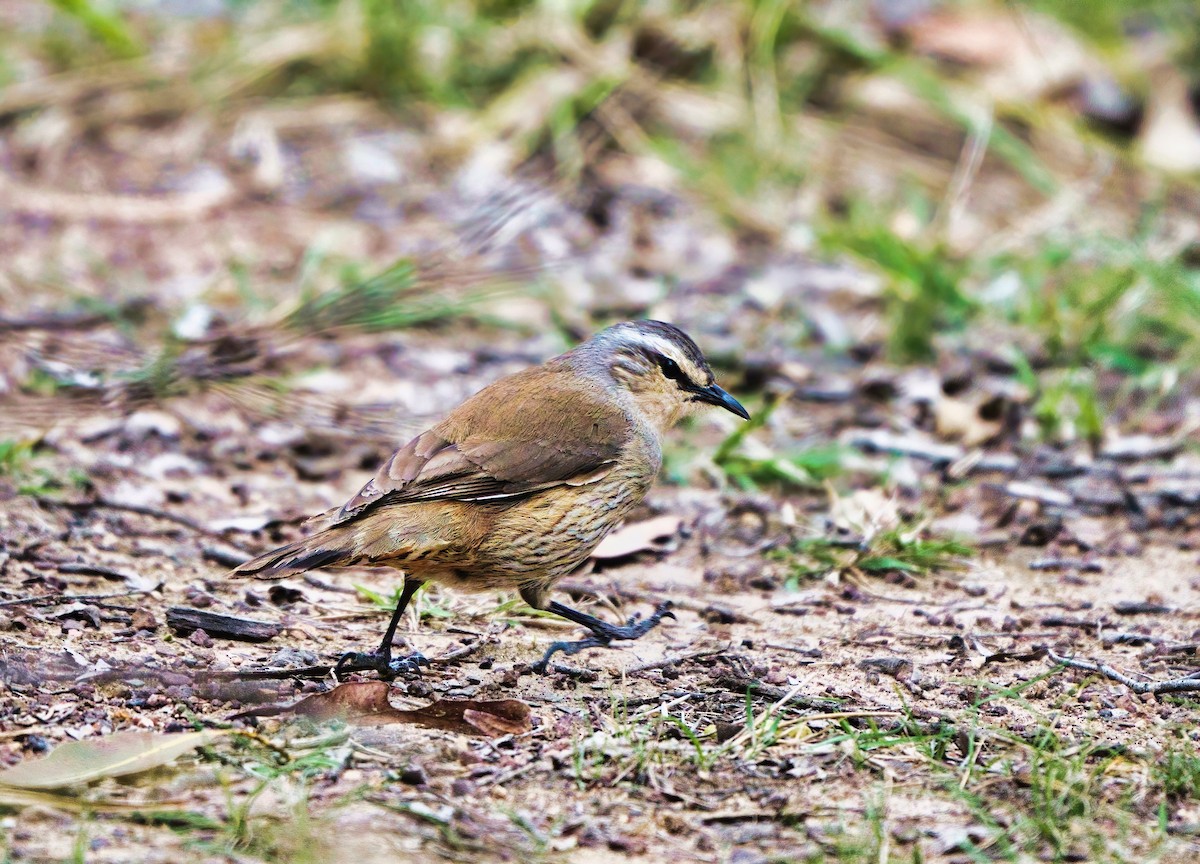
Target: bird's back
(576,461)
(480,500)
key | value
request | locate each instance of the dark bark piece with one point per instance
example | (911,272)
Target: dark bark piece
(224,557)
(81,569)
(184,620)
(1080,564)
(1134,607)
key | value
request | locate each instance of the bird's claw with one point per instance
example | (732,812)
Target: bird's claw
(639,627)
(635,628)
(379,662)
(409,663)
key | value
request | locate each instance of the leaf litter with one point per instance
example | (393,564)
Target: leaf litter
(366,703)
(116,755)
(792,740)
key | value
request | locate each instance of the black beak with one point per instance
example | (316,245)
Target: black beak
(714,395)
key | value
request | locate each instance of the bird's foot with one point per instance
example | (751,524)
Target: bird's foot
(637,627)
(605,634)
(380,662)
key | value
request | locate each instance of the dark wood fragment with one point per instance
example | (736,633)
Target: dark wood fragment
(84,569)
(224,557)
(1080,564)
(184,620)
(1063,621)
(1134,607)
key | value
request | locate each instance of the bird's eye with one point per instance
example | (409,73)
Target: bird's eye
(671,369)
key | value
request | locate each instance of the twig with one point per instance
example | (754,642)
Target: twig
(71,320)
(222,556)
(468,648)
(1066,564)
(1173,685)
(680,658)
(742,685)
(501,779)
(152,512)
(267,674)
(656,703)
(59,599)
(317,582)
(75,568)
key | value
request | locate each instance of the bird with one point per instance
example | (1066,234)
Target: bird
(518,484)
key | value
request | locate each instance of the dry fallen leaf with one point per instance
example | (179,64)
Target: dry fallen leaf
(1170,136)
(1018,57)
(11,796)
(638,537)
(365,703)
(962,420)
(866,511)
(112,756)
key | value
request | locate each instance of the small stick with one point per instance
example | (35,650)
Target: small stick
(671,661)
(152,512)
(464,650)
(1173,685)
(61,599)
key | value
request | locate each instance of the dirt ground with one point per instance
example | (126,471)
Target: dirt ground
(875,696)
(874,588)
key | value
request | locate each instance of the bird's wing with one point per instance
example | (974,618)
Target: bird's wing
(538,429)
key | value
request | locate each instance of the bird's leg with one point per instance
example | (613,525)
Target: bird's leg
(603,633)
(380,660)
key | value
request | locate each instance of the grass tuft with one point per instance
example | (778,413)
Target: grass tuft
(806,468)
(906,549)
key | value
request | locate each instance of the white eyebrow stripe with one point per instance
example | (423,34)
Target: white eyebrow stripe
(655,343)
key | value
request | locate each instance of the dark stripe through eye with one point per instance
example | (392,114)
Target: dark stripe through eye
(671,369)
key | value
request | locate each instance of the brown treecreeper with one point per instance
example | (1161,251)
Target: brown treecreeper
(518,485)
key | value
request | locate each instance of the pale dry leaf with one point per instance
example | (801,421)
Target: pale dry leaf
(1170,135)
(866,511)
(647,536)
(112,756)
(1016,56)
(960,420)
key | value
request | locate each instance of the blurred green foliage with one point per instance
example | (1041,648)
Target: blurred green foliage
(565,81)
(907,548)
(108,28)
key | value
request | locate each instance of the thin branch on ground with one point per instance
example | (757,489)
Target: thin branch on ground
(152,512)
(676,659)
(63,599)
(1187,684)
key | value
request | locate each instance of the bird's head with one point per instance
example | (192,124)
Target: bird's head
(661,369)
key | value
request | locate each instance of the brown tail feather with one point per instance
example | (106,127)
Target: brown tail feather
(324,549)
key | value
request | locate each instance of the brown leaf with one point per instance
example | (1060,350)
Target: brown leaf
(365,703)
